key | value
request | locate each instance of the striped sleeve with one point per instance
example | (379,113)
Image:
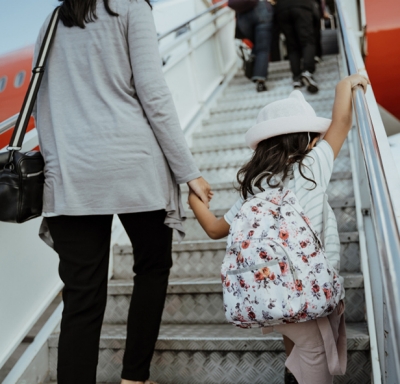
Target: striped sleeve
(230,215)
(321,163)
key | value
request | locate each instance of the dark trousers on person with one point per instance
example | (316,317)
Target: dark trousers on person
(256,25)
(317,28)
(297,25)
(83,245)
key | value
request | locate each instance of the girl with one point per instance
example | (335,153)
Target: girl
(284,142)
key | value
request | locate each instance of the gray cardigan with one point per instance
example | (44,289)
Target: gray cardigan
(107,124)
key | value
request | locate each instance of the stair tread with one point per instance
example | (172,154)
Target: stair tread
(210,284)
(123,246)
(216,337)
(240,145)
(229,185)
(236,104)
(250,113)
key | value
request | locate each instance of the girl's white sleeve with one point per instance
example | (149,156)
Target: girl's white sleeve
(230,215)
(320,161)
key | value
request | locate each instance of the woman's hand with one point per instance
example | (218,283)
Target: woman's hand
(357,79)
(202,189)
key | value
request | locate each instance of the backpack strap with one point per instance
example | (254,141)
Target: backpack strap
(297,207)
(30,97)
(324,219)
(335,347)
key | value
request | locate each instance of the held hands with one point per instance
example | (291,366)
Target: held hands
(214,227)
(202,189)
(357,79)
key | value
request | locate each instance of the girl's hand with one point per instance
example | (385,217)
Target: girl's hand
(215,228)
(357,79)
(193,195)
(201,188)
(342,111)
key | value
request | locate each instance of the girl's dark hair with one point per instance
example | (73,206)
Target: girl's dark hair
(274,156)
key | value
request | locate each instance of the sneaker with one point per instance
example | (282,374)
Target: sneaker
(312,85)
(318,60)
(261,87)
(297,84)
(289,377)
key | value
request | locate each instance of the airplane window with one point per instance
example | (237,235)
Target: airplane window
(3,83)
(19,79)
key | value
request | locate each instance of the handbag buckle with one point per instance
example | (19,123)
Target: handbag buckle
(38,70)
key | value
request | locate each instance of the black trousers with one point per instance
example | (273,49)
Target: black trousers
(297,25)
(83,245)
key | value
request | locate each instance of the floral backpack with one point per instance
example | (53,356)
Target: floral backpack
(275,269)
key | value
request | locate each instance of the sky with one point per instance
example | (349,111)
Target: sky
(20,21)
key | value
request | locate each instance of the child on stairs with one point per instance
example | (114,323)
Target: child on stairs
(288,149)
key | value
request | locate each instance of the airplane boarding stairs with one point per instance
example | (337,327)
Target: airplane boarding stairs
(196,345)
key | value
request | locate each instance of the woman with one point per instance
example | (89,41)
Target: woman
(112,144)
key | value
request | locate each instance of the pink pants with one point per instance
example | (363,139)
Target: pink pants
(319,350)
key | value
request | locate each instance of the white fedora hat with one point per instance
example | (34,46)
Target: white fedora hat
(290,115)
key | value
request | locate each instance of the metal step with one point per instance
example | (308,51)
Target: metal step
(199,300)
(324,98)
(282,69)
(217,353)
(344,211)
(279,67)
(226,127)
(278,82)
(203,258)
(226,144)
(278,86)
(340,186)
(237,157)
(211,141)
(323,108)
(281,84)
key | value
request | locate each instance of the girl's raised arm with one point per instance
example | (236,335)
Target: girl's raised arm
(342,111)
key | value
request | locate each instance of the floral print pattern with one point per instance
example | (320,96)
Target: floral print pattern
(275,269)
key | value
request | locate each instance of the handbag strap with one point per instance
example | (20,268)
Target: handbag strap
(30,97)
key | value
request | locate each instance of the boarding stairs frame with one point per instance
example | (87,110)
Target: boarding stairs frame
(375,182)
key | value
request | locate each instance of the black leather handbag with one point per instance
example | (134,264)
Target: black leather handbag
(21,173)
(248,62)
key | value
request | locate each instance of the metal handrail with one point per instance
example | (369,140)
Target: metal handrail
(10,122)
(186,23)
(387,231)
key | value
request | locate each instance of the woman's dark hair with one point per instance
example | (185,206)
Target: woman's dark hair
(79,12)
(274,156)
